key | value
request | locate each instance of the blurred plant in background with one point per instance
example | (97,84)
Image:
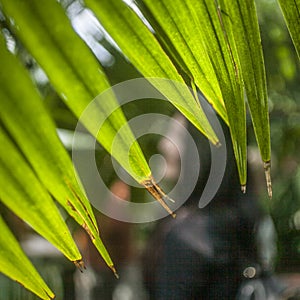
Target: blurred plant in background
(283,78)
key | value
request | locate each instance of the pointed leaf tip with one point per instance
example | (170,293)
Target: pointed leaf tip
(114,271)
(80,265)
(267,167)
(243,188)
(155,190)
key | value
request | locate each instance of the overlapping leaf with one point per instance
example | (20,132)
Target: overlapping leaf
(240,20)
(291,12)
(224,59)
(219,45)
(16,265)
(28,199)
(196,30)
(173,18)
(26,119)
(140,46)
(76,75)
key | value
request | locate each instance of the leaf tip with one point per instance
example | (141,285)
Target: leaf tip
(218,144)
(80,265)
(114,271)
(267,167)
(154,189)
(243,188)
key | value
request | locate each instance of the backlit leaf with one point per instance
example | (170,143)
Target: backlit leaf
(76,75)
(141,47)
(291,12)
(15,264)
(22,192)
(240,20)
(37,138)
(183,32)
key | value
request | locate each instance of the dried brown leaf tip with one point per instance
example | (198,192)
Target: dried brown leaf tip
(114,271)
(243,188)
(154,189)
(80,265)
(267,167)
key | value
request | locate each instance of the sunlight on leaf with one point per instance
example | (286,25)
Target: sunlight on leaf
(240,21)
(291,12)
(223,57)
(173,19)
(34,131)
(140,46)
(27,198)
(15,264)
(76,75)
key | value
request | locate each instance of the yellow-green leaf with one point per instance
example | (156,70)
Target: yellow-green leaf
(22,192)
(291,12)
(76,75)
(240,20)
(141,47)
(183,32)
(15,264)
(223,56)
(37,138)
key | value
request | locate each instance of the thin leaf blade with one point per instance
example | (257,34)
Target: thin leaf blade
(223,56)
(76,75)
(37,138)
(241,20)
(140,46)
(183,33)
(15,264)
(291,12)
(29,200)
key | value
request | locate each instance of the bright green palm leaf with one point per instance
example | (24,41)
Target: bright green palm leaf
(223,56)
(241,20)
(24,115)
(15,264)
(76,75)
(141,47)
(22,192)
(291,12)
(174,17)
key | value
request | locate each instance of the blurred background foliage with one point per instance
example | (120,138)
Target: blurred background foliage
(283,79)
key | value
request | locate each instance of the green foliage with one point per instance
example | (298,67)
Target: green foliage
(16,265)
(211,45)
(76,75)
(37,138)
(291,12)
(178,28)
(140,46)
(22,192)
(240,17)
(202,38)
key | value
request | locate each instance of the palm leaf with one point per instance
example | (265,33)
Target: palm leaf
(16,265)
(219,47)
(78,78)
(76,75)
(240,20)
(213,44)
(173,19)
(34,131)
(291,12)
(28,199)
(140,46)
